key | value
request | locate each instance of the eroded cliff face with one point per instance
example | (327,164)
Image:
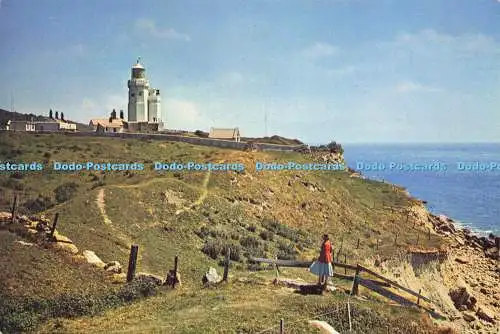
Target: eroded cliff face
(462,276)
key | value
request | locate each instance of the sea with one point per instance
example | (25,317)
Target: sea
(461,181)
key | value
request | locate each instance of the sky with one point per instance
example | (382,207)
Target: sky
(354,71)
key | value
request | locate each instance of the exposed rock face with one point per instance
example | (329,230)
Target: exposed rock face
(93,259)
(211,277)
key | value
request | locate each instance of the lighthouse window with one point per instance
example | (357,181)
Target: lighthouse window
(140,93)
(132,95)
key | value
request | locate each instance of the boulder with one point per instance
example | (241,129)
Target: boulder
(93,259)
(5,216)
(211,277)
(460,296)
(146,277)
(469,316)
(113,267)
(486,314)
(492,253)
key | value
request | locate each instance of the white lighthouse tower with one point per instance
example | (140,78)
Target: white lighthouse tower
(144,103)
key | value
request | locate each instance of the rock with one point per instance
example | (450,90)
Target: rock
(486,314)
(484,291)
(378,261)
(460,296)
(5,216)
(24,219)
(211,277)
(461,259)
(113,267)
(146,277)
(173,277)
(24,243)
(492,253)
(469,316)
(93,259)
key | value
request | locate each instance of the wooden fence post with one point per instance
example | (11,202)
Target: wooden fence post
(226,264)
(13,217)
(276,268)
(53,229)
(132,262)
(357,246)
(345,262)
(418,238)
(282,326)
(377,242)
(176,264)
(429,233)
(355,287)
(418,298)
(396,240)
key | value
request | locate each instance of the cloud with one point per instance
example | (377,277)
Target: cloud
(150,26)
(429,40)
(320,50)
(409,87)
(183,114)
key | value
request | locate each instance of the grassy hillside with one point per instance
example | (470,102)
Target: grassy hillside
(195,215)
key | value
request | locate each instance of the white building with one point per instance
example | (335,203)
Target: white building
(144,103)
(20,126)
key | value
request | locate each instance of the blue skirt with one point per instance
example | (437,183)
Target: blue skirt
(320,268)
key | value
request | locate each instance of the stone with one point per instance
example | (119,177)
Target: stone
(113,267)
(486,314)
(461,259)
(460,296)
(146,277)
(93,259)
(211,277)
(469,317)
(484,291)
(492,253)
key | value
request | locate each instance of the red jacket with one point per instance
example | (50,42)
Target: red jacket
(326,252)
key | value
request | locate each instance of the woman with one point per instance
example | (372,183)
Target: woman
(323,266)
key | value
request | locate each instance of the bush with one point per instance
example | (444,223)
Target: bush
(250,242)
(286,251)
(65,192)
(267,235)
(213,248)
(41,203)
(334,147)
(252,228)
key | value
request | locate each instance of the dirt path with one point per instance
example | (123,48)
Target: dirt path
(100,200)
(203,195)
(102,206)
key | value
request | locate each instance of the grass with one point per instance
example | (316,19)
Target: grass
(195,217)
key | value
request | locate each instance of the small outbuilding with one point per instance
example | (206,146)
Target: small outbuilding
(225,133)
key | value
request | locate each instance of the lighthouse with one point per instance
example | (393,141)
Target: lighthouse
(144,103)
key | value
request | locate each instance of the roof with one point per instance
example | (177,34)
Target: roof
(116,123)
(222,133)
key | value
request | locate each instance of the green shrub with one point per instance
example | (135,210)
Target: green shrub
(252,228)
(250,242)
(41,203)
(213,248)
(267,235)
(65,192)
(286,251)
